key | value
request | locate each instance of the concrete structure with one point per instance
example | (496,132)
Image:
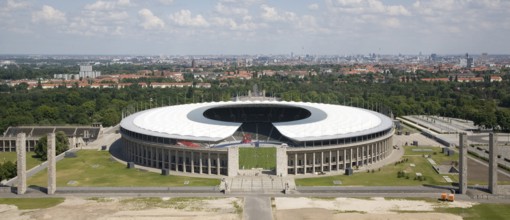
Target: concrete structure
(281,161)
(195,138)
(87,72)
(463,157)
(493,163)
(52,164)
(233,161)
(78,135)
(21,153)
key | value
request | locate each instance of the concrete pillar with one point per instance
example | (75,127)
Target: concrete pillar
(281,161)
(344,159)
(233,161)
(21,153)
(192,162)
(493,163)
(304,164)
(295,163)
(157,157)
(184,161)
(322,161)
(200,162)
(463,163)
(313,162)
(209,163)
(169,159)
(218,164)
(329,161)
(52,164)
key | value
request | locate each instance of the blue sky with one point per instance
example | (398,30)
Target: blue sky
(193,27)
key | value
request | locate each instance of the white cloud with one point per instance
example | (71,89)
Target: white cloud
(271,14)
(149,20)
(107,5)
(246,23)
(391,22)
(184,18)
(228,10)
(366,6)
(48,14)
(12,5)
(313,6)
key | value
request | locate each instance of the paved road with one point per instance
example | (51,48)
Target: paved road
(257,208)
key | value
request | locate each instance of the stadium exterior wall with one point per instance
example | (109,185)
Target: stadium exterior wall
(215,161)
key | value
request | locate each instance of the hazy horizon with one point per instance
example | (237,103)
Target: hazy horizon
(251,27)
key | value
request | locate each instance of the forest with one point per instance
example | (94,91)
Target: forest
(486,103)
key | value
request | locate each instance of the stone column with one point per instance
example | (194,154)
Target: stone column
(209,163)
(52,164)
(233,161)
(200,162)
(304,163)
(192,162)
(21,153)
(463,163)
(493,163)
(313,162)
(295,163)
(218,164)
(281,161)
(183,154)
(329,160)
(322,161)
(344,159)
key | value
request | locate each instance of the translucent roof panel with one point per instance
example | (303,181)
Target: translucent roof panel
(188,122)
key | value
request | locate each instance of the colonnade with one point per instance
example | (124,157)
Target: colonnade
(321,159)
(175,158)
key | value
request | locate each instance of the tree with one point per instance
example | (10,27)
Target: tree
(61,142)
(7,170)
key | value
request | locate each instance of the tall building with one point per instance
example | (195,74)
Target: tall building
(87,72)
(466,62)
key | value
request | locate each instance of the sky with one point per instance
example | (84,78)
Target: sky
(236,27)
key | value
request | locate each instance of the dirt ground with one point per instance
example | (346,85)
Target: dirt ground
(114,208)
(362,209)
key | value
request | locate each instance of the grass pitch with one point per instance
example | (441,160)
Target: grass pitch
(95,168)
(260,157)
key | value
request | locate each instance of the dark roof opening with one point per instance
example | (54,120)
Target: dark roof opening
(251,113)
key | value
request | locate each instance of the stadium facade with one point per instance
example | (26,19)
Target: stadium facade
(204,138)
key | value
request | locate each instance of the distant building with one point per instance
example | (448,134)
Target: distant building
(66,76)
(466,62)
(86,72)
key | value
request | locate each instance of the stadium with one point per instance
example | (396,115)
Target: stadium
(204,138)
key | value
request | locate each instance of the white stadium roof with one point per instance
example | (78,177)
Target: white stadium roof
(188,122)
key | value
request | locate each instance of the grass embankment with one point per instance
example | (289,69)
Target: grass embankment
(387,175)
(95,168)
(260,157)
(32,203)
(11,156)
(480,211)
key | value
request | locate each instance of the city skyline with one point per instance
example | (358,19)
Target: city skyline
(173,27)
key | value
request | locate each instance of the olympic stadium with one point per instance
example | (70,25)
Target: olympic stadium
(204,138)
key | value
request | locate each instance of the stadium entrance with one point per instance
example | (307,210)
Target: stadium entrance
(260,158)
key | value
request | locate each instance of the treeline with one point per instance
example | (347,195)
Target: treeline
(484,103)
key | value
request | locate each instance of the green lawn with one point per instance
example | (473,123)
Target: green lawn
(481,211)
(32,203)
(11,156)
(260,157)
(387,176)
(95,168)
